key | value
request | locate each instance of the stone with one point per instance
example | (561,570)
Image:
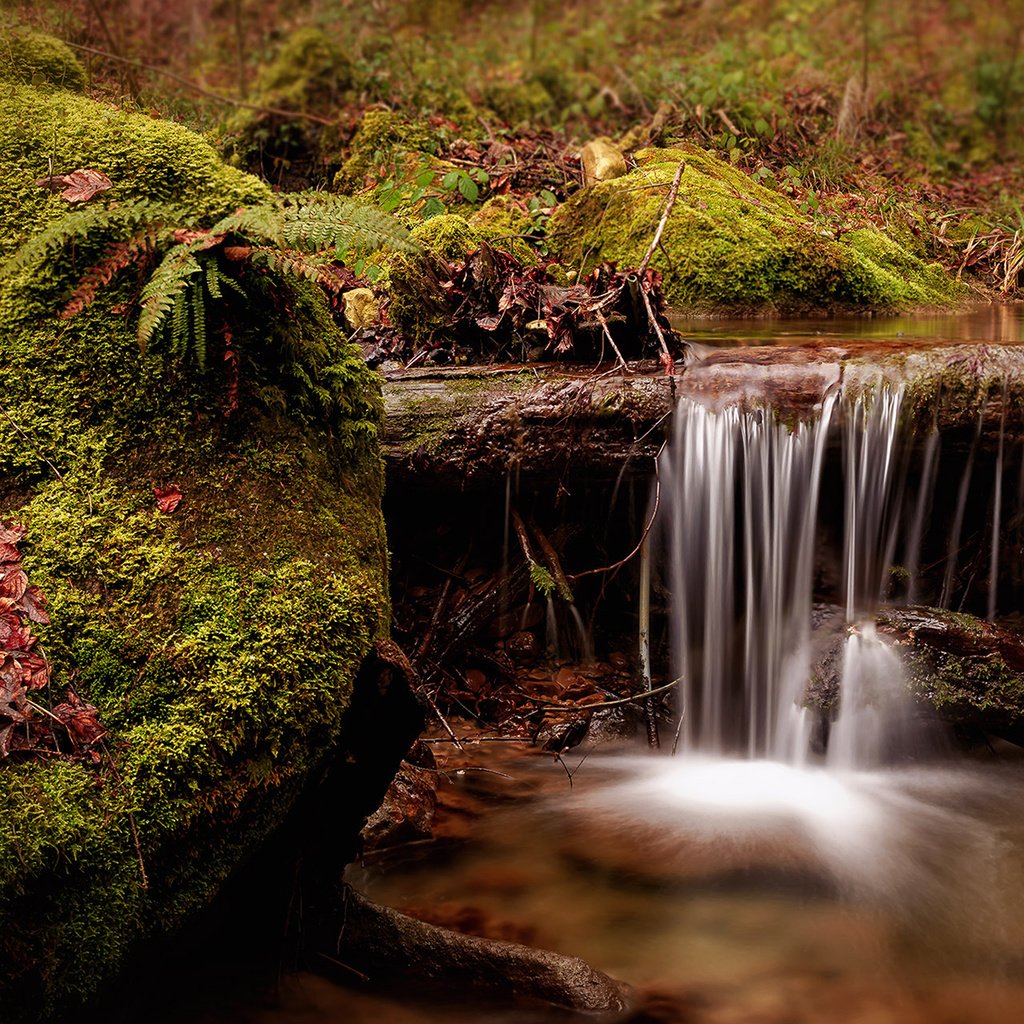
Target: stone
(601,161)
(361,308)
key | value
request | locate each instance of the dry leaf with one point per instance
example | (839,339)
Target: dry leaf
(167,499)
(79,186)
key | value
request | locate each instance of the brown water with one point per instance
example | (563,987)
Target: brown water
(988,324)
(748,891)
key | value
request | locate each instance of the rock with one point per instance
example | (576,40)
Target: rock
(361,308)
(393,948)
(219,643)
(731,242)
(601,161)
(407,813)
(962,670)
(523,645)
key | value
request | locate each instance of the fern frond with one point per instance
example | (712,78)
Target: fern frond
(170,279)
(198,316)
(179,324)
(81,226)
(265,222)
(119,255)
(299,264)
(318,221)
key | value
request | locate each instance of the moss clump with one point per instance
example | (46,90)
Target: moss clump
(385,140)
(732,243)
(35,59)
(220,642)
(310,73)
(144,158)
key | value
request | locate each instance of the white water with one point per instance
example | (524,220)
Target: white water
(741,499)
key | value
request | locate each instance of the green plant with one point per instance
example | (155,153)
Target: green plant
(198,270)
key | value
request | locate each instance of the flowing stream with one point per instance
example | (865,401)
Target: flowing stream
(766,873)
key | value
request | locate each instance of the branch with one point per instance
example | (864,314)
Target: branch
(669,203)
(196,88)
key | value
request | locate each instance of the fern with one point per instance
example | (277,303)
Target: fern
(170,279)
(84,226)
(318,221)
(118,256)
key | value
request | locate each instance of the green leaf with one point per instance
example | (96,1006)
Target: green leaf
(469,189)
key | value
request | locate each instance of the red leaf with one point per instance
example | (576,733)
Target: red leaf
(167,499)
(11,533)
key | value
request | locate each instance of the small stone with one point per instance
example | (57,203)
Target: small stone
(618,661)
(523,645)
(601,161)
(475,680)
(361,307)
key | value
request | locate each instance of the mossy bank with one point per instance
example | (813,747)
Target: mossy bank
(733,244)
(219,641)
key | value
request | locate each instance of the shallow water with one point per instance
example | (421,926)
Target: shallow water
(993,324)
(752,890)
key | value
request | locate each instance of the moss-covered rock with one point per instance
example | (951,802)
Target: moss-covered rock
(385,139)
(220,641)
(310,74)
(35,59)
(733,243)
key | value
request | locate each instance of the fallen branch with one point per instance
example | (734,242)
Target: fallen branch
(297,115)
(666,212)
(635,699)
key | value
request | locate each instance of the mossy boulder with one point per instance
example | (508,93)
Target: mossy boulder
(35,59)
(311,74)
(732,243)
(219,641)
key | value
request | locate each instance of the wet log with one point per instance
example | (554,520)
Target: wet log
(465,424)
(391,948)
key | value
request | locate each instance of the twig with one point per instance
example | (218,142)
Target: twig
(636,698)
(647,529)
(10,420)
(611,341)
(200,90)
(437,711)
(344,966)
(669,203)
(645,640)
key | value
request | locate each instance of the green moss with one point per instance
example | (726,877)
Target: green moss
(35,59)
(733,243)
(220,642)
(384,139)
(143,157)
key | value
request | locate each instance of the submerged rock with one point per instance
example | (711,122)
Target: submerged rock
(219,639)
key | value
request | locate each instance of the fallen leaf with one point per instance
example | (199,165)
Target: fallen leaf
(79,186)
(167,499)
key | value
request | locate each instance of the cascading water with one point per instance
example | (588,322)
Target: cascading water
(741,498)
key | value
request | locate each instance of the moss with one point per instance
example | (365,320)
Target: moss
(143,157)
(35,59)
(219,642)
(384,138)
(733,243)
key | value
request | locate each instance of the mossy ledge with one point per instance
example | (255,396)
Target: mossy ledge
(733,244)
(219,642)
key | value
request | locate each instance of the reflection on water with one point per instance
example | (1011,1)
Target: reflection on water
(995,324)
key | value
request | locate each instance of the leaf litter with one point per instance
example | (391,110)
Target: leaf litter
(71,728)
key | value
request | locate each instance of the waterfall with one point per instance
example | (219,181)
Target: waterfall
(741,501)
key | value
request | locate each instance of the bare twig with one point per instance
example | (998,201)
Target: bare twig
(643,537)
(200,90)
(635,699)
(669,203)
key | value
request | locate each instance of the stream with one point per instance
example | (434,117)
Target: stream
(751,878)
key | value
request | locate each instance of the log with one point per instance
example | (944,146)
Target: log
(391,948)
(470,424)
